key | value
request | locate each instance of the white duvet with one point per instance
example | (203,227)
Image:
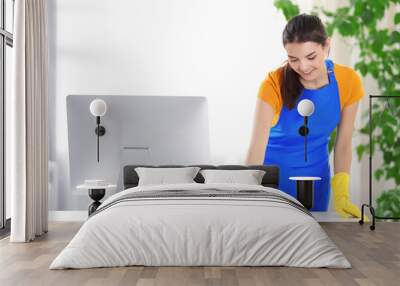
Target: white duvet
(200,231)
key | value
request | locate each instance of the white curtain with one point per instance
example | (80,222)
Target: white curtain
(28,123)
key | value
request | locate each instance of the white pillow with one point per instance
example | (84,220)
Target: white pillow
(163,176)
(249,177)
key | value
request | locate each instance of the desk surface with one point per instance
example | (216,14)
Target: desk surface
(305,178)
(86,187)
(329,216)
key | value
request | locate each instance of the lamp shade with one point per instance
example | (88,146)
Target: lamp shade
(98,107)
(305,107)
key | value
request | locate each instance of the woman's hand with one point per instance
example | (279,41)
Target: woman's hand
(341,199)
(342,162)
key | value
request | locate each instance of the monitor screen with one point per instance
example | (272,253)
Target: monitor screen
(152,130)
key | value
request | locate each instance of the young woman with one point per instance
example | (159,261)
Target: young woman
(334,90)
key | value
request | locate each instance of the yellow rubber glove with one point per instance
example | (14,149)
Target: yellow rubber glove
(341,200)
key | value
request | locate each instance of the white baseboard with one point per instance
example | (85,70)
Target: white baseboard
(82,216)
(331,216)
(68,215)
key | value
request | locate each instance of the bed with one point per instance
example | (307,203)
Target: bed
(201,224)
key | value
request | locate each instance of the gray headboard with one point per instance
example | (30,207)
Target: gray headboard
(270,179)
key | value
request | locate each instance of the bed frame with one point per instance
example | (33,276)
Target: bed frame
(270,179)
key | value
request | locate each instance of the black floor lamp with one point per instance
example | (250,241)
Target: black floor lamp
(371,208)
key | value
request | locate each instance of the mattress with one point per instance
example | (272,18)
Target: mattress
(201,225)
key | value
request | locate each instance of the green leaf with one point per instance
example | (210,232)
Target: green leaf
(328,13)
(395,37)
(343,11)
(397,18)
(388,203)
(288,8)
(362,67)
(387,159)
(332,140)
(379,39)
(330,29)
(346,28)
(378,8)
(364,130)
(378,174)
(358,8)
(360,151)
(367,16)
(388,118)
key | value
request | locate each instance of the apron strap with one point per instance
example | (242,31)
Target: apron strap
(329,67)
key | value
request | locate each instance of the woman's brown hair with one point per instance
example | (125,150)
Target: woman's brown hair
(300,29)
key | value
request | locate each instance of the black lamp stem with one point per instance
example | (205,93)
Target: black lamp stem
(305,137)
(98,129)
(370,151)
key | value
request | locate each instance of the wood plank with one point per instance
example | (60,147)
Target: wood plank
(374,255)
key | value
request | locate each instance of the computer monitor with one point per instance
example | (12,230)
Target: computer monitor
(151,130)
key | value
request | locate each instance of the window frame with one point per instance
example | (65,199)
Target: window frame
(6,39)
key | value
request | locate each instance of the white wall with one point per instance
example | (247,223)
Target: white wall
(221,49)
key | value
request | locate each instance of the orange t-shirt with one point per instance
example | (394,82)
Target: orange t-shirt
(349,85)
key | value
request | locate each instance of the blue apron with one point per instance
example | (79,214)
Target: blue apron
(285,146)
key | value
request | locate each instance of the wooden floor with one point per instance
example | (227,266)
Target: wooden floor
(374,255)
